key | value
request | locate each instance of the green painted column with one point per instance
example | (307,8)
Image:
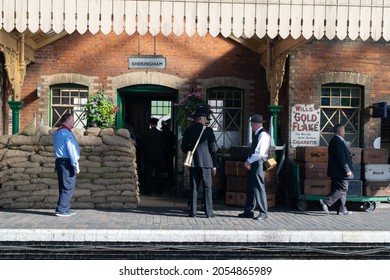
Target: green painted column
(15,107)
(275,110)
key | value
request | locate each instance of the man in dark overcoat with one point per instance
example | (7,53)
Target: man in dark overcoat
(203,166)
(339,169)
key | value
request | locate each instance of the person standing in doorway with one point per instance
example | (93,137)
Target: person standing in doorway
(339,169)
(67,155)
(152,145)
(169,148)
(203,166)
(256,171)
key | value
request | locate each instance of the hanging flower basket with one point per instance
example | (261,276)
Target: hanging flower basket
(100,110)
(186,109)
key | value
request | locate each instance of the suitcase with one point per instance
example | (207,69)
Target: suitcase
(377,172)
(239,153)
(235,168)
(235,184)
(316,186)
(313,170)
(377,188)
(375,156)
(357,172)
(239,199)
(235,198)
(312,154)
(356,155)
(355,188)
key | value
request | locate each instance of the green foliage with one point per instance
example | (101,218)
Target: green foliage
(186,109)
(100,110)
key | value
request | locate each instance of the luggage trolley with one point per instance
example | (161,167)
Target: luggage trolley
(368,203)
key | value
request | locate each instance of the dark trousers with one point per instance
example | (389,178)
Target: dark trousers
(66,184)
(338,193)
(198,174)
(256,189)
(153,170)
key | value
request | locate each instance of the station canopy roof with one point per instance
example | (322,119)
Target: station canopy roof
(340,19)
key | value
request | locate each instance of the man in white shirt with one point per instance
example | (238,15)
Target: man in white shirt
(256,171)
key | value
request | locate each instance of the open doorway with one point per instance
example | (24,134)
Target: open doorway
(139,104)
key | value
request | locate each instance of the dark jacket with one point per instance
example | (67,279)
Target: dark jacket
(205,153)
(340,159)
(152,145)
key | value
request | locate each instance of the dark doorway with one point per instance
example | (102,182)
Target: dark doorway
(140,103)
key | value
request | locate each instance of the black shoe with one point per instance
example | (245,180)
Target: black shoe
(261,217)
(192,215)
(324,206)
(344,212)
(246,214)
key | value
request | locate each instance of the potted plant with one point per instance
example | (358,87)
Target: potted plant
(100,110)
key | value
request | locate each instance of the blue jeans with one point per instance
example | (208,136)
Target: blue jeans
(66,184)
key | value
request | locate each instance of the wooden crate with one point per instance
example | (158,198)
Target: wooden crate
(235,168)
(376,188)
(239,153)
(312,154)
(313,170)
(356,172)
(239,184)
(312,186)
(236,184)
(355,188)
(239,199)
(375,156)
(356,155)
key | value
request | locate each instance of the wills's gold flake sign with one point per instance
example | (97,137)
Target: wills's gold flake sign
(305,125)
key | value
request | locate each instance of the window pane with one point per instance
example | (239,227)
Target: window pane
(345,102)
(345,92)
(335,101)
(325,91)
(335,92)
(325,101)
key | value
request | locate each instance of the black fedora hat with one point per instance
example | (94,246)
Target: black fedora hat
(201,111)
(257,119)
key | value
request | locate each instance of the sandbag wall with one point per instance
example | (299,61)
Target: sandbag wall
(108,172)
(236,182)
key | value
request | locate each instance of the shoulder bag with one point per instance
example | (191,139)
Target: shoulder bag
(190,154)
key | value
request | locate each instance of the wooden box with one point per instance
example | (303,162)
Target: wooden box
(355,188)
(375,156)
(312,154)
(377,188)
(235,168)
(356,172)
(235,198)
(356,155)
(239,153)
(271,200)
(239,199)
(316,186)
(239,184)
(235,184)
(313,170)
(377,172)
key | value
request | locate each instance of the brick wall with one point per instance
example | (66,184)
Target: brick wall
(353,62)
(101,59)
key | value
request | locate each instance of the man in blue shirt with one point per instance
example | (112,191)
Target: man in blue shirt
(67,155)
